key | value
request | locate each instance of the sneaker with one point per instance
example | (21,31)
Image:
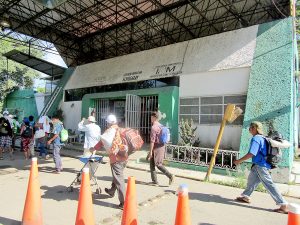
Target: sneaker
(47,156)
(171,180)
(121,206)
(109,192)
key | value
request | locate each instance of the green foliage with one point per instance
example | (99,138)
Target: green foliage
(188,132)
(14,75)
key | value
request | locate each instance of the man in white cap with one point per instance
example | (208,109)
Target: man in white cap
(117,152)
(92,133)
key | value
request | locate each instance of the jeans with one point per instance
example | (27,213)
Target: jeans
(56,157)
(262,174)
(42,148)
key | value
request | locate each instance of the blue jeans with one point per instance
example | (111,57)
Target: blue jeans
(261,174)
(42,148)
(56,157)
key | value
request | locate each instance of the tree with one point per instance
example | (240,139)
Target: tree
(14,75)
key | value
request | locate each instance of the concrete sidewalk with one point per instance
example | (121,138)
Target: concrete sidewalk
(135,162)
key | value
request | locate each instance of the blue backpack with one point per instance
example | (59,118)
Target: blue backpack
(164,136)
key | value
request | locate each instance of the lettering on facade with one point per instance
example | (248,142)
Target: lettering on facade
(132,76)
(169,70)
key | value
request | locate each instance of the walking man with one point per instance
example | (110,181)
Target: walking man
(260,170)
(57,128)
(112,142)
(157,151)
(5,137)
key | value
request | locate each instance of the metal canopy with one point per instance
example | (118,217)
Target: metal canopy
(86,31)
(40,65)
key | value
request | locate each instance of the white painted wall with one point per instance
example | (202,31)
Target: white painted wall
(72,113)
(234,49)
(40,101)
(216,83)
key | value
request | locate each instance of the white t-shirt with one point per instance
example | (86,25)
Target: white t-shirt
(46,123)
(92,134)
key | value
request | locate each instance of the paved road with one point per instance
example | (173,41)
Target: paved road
(210,204)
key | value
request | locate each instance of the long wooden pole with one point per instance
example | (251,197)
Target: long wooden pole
(213,158)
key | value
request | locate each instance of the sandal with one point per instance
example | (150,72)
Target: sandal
(243,200)
(280,211)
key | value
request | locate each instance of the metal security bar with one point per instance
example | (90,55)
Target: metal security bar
(201,156)
(102,111)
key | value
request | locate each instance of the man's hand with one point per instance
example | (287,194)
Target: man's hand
(149,156)
(236,162)
(49,142)
(92,150)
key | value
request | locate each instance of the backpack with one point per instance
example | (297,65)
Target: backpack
(164,136)
(28,132)
(274,154)
(132,139)
(64,135)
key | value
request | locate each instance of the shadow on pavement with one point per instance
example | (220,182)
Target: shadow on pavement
(7,221)
(60,193)
(222,200)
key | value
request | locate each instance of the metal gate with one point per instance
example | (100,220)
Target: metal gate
(133,111)
(138,113)
(102,111)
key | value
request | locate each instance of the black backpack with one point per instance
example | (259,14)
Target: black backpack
(28,132)
(274,154)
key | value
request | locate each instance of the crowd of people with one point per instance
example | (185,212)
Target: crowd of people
(111,141)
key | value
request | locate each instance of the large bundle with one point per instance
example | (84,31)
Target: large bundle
(132,139)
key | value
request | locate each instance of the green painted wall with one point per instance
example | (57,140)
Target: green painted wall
(22,100)
(270,97)
(167,100)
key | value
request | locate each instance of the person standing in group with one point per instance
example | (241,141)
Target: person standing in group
(32,143)
(260,170)
(15,128)
(44,127)
(157,151)
(5,137)
(112,142)
(57,128)
(27,136)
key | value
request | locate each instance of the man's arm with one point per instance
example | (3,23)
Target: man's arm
(82,127)
(52,139)
(244,158)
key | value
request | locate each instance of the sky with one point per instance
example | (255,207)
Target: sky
(53,58)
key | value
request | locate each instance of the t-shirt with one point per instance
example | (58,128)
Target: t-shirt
(56,130)
(155,133)
(258,148)
(5,128)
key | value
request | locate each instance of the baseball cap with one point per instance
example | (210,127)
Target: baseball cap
(258,126)
(111,119)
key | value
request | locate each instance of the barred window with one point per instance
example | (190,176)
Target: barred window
(210,110)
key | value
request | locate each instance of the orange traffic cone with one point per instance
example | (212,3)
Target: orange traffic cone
(32,214)
(85,210)
(294,214)
(129,216)
(183,210)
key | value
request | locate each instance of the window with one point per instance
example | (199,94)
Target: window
(210,110)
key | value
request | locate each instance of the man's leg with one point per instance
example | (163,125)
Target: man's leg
(118,180)
(166,172)
(31,148)
(266,179)
(152,171)
(57,158)
(252,183)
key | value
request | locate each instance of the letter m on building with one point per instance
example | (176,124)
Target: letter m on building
(170,69)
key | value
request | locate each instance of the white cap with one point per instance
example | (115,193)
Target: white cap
(5,112)
(111,119)
(92,119)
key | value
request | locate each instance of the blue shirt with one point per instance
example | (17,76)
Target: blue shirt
(56,130)
(258,148)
